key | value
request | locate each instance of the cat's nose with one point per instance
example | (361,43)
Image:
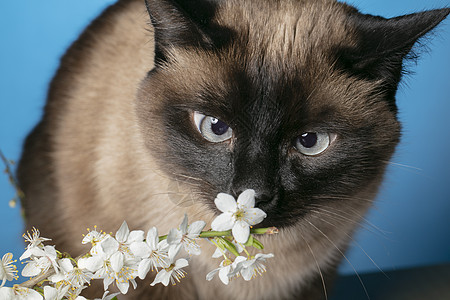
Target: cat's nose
(263,199)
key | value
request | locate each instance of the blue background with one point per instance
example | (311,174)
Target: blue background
(409,225)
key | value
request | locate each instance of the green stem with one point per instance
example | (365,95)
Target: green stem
(212,234)
(268,230)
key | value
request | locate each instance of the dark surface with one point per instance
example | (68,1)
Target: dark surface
(424,283)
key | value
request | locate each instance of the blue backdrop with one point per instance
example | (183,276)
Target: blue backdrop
(408,226)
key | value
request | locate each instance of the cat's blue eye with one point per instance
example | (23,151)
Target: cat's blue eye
(211,128)
(313,143)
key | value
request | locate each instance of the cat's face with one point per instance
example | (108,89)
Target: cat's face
(280,104)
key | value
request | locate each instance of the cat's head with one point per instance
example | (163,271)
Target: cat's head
(294,99)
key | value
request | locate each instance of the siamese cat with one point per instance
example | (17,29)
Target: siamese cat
(162,104)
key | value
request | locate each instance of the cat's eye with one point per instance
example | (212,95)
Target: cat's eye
(211,128)
(313,143)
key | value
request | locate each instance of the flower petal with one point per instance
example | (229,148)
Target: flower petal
(173,251)
(224,221)
(123,286)
(181,263)
(254,216)
(184,225)
(241,231)
(211,274)
(107,282)
(109,297)
(92,264)
(31,269)
(135,236)
(262,256)
(50,293)
(122,233)
(174,236)
(26,294)
(117,261)
(162,277)
(144,268)
(195,229)
(109,245)
(7,293)
(140,249)
(217,253)
(247,273)
(26,254)
(66,265)
(152,238)
(192,248)
(225,203)
(56,278)
(223,274)
(237,265)
(246,199)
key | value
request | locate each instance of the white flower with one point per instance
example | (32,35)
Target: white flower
(105,296)
(34,240)
(51,293)
(126,238)
(225,269)
(41,259)
(111,265)
(124,272)
(74,276)
(19,293)
(153,253)
(95,238)
(174,273)
(237,216)
(251,268)
(8,271)
(185,236)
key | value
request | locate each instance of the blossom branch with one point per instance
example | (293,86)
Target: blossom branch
(122,257)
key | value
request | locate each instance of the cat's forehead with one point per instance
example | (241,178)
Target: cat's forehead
(297,32)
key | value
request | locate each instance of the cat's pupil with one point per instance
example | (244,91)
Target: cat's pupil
(308,140)
(218,127)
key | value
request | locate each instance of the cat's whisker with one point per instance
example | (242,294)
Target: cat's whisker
(318,266)
(343,255)
(354,242)
(343,197)
(411,169)
(360,217)
(404,166)
(373,229)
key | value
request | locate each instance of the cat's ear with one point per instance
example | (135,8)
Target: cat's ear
(383,44)
(180,23)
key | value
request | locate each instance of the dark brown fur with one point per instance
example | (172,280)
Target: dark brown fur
(117,141)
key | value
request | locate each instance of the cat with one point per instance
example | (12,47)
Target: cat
(162,104)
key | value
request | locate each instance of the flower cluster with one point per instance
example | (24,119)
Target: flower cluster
(118,259)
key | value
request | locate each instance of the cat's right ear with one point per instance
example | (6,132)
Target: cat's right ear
(180,23)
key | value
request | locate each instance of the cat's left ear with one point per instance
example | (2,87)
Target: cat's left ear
(383,44)
(180,23)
